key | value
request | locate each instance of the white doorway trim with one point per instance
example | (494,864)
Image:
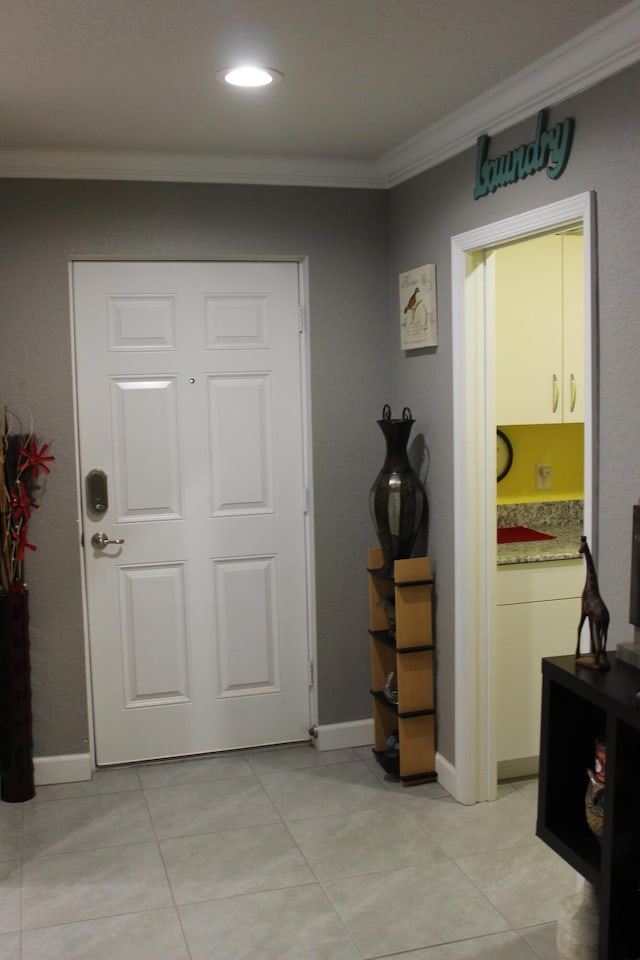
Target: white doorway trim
(307,448)
(474,473)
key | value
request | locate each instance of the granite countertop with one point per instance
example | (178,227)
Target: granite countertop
(562,519)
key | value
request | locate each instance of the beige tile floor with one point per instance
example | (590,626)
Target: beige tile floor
(274,854)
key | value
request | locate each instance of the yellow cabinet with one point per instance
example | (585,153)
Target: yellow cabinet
(539,331)
(573,329)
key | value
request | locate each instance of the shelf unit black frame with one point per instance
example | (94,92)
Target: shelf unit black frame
(578,706)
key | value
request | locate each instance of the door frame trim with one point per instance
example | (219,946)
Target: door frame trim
(91,742)
(474,467)
(307,451)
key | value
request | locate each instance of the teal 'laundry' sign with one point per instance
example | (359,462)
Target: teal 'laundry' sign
(550,149)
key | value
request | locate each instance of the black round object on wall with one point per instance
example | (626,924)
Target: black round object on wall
(504,455)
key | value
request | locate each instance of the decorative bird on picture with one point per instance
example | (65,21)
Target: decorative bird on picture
(413,303)
(595,611)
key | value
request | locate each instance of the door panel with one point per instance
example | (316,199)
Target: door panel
(189,398)
(146,463)
(241,473)
(153,601)
(248,635)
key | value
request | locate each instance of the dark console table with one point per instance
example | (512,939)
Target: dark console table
(579,705)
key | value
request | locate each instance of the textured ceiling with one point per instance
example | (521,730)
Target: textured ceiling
(361,77)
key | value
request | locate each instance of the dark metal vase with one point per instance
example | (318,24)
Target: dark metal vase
(397,500)
(16,738)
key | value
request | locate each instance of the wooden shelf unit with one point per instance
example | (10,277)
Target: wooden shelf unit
(579,705)
(407,649)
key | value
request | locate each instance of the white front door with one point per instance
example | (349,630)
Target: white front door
(189,400)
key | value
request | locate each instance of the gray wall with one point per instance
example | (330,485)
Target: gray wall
(344,233)
(425,213)
(354,332)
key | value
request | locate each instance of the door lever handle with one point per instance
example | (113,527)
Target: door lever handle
(101,540)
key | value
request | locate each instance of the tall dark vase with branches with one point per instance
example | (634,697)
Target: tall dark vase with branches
(23,461)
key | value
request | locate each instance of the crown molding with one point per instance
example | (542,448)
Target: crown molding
(188,168)
(594,55)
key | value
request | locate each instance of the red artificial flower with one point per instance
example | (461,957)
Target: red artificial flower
(20,504)
(36,458)
(22,543)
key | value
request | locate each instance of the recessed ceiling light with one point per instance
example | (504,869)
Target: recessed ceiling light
(249,76)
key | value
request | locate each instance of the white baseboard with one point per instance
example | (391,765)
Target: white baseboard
(68,768)
(339,736)
(446,775)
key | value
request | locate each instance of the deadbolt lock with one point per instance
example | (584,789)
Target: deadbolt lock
(97,491)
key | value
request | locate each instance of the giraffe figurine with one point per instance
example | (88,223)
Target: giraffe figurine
(594,609)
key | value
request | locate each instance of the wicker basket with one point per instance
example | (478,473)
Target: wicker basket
(594,805)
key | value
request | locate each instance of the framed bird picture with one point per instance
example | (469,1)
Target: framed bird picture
(418,308)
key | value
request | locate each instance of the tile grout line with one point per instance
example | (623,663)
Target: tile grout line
(164,867)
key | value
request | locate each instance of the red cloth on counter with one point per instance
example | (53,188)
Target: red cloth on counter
(521,534)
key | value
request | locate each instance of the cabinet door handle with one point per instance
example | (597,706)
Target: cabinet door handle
(555,393)
(573,392)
